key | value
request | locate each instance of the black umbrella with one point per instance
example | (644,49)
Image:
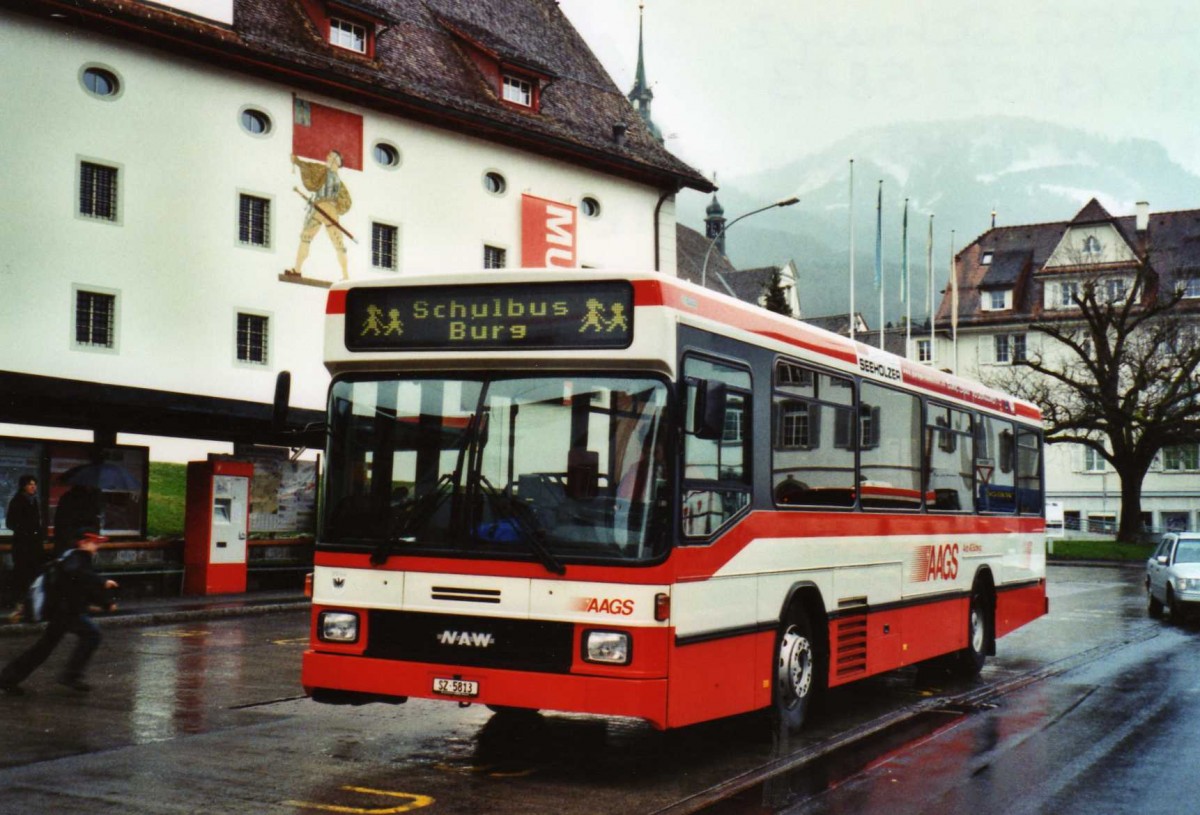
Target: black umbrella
(102,476)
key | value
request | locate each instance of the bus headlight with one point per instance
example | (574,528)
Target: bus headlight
(337,626)
(607,647)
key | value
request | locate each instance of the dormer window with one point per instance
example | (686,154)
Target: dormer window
(348,35)
(518,91)
(996,300)
(986,259)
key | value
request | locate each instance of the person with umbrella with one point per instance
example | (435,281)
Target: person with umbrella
(79,508)
(24,518)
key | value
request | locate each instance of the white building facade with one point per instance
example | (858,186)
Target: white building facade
(164,162)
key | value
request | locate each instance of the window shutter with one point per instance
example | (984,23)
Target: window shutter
(843,422)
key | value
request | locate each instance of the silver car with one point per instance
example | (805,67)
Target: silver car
(1173,575)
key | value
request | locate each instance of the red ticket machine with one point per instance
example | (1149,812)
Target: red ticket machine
(217,524)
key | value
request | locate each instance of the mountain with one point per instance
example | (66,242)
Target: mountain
(960,171)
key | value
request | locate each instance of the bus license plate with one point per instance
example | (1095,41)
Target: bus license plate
(456,687)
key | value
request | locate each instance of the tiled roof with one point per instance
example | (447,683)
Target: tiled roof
(419,70)
(1005,269)
(690,248)
(1170,244)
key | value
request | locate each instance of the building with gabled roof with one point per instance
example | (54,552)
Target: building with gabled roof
(1011,276)
(168,258)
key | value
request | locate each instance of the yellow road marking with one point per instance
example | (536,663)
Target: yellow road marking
(291,641)
(415,802)
(178,635)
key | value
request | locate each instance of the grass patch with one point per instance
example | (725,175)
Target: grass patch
(165,504)
(1099,550)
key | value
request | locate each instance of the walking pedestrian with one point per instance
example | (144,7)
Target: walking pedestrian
(24,518)
(78,510)
(75,588)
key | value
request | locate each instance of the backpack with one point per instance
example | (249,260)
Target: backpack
(43,591)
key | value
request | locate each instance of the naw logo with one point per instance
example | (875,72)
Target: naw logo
(934,562)
(469,639)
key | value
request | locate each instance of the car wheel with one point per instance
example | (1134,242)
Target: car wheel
(798,675)
(1173,607)
(1155,607)
(970,659)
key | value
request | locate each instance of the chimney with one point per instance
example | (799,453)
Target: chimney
(1143,215)
(619,133)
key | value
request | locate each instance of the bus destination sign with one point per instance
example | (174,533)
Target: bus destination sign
(534,316)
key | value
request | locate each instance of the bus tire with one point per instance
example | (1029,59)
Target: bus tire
(798,673)
(971,659)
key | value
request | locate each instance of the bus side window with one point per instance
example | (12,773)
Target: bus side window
(716,473)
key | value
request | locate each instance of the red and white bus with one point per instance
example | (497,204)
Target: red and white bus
(626,495)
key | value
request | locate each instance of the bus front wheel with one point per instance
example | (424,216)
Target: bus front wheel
(798,675)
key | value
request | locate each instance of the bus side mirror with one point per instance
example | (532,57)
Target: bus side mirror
(283,395)
(583,473)
(708,412)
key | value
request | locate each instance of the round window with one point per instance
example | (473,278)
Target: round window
(386,155)
(100,82)
(590,207)
(494,183)
(255,122)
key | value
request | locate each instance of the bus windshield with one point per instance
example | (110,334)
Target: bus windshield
(551,468)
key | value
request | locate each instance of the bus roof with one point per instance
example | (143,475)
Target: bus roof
(704,308)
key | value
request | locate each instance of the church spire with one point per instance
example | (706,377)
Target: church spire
(641,95)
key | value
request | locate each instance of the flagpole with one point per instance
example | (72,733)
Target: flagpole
(953,305)
(852,321)
(929,284)
(879,258)
(904,286)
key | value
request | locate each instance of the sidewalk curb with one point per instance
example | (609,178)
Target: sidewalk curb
(166,616)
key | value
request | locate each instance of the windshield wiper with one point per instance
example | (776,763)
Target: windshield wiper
(412,519)
(513,509)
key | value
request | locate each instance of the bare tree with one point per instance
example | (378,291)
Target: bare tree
(1120,375)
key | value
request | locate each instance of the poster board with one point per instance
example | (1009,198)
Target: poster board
(283,493)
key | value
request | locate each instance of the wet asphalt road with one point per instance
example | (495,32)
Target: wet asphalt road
(207,717)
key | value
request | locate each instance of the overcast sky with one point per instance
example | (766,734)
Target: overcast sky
(746,86)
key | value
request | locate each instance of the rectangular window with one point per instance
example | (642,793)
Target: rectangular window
(1009,348)
(812,461)
(1002,349)
(950,472)
(95,319)
(924,351)
(97,191)
(890,459)
(1093,462)
(383,246)
(1068,294)
(1181,457)
(1191,286)
(1029,472)
(252,338)
(494,257)
(1018,347)
(348,35)
(716,470)
(997,298)
(254,220)
(518,90)
(1115,290)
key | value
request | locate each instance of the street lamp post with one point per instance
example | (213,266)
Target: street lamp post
(786,202)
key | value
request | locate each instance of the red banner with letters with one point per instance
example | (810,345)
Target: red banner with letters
(548,233)
(317,129)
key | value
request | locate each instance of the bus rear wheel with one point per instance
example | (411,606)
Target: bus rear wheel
(971,658)
(797,678)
